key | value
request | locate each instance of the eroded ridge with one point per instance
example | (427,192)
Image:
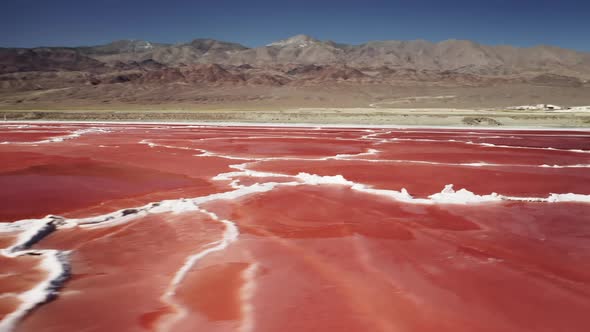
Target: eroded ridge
(266,164)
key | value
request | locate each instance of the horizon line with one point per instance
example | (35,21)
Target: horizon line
(301,34)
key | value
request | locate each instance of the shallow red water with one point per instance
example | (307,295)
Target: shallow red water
(254,247)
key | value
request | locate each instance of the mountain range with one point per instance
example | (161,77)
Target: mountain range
(299,61)
(453,55)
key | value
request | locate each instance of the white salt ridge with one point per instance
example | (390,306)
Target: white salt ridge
(229,235)
(449,196)
(524,147)
(278,135)
(244,172)
(27,229)
(205,153)
(566,166)
(53,261)
(18,126)
(473,164)
(110,219)
(480,164)
(498,134)
(57,139)
(402,196)
(484,144)
(246,295)
(369,152)
(167,206)
(568,198)
(73,135)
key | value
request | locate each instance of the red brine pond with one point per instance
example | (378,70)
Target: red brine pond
(188,227)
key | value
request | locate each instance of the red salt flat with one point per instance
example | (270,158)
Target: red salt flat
(307,258)
(8,304)
(56,188)
(214,293)
(411,267)
(20,274)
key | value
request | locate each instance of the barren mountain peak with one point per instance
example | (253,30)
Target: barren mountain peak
(297,40)
(136,43)
(298,61)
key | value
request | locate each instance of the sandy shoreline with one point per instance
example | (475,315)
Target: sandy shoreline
(311,126)
(438,117)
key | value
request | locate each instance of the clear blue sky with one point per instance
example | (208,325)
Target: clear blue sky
(27,23)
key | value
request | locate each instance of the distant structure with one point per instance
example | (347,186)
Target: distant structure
(538,107)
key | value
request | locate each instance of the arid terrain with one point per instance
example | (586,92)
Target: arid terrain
(299,72)
(182,166)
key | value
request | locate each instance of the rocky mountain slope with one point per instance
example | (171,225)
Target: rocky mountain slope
(131,67)
(454,55)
